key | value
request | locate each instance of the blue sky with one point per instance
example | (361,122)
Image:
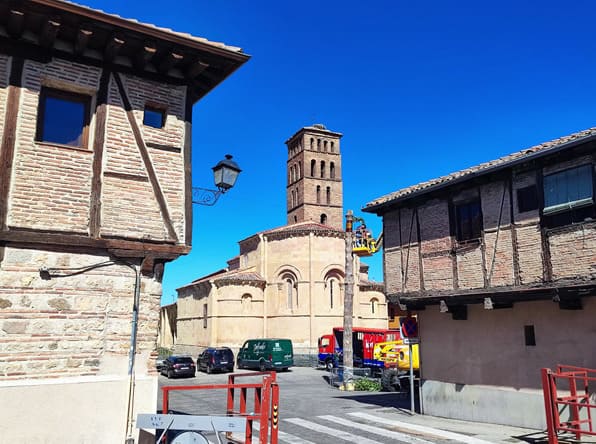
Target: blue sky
(419,89)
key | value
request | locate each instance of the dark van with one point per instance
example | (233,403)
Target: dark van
(266,354)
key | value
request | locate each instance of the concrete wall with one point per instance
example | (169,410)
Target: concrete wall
(481,369)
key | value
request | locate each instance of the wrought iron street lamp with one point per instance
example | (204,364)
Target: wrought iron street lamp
(225,174)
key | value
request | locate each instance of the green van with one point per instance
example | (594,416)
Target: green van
(266,354)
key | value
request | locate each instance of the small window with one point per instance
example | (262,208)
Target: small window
(154,117)
(468,220)
(529,335)
(204,315)
(63,118)
(323,219)
(328,195)
(527,199)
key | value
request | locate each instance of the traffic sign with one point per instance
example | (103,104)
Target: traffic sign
(409,327)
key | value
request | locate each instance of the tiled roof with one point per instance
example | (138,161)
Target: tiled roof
(240,276)
(300,227)
(484,168)
(150,26)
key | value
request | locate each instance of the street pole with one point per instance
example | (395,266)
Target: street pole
(412,406)
(348,305)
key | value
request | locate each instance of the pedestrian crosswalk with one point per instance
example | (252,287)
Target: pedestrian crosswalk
(355,427)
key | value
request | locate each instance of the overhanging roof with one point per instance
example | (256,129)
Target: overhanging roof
(40,29)
(384,203)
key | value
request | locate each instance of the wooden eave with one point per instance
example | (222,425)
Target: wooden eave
(500,296)
(42,29)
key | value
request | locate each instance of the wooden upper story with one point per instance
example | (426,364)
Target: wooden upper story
(95,128)
(521,227)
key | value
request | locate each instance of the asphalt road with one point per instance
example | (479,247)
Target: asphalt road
(310,409)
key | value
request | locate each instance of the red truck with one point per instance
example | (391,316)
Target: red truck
(363,343)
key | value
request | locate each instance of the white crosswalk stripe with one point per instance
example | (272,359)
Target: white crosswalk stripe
(376,430)
(420,429)
(341,434)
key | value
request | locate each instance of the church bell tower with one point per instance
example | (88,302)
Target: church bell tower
(314,185)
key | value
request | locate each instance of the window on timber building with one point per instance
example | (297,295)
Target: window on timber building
(468,220)
(527,199)
(154,117)
(569,196)
(63,118)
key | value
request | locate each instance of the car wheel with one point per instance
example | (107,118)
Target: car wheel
(262,366)
(209,369)
(170,374)
(329,365)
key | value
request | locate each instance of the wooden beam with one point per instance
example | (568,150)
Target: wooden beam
(112,48)
(195,69)
(16,23)
(48,33)
(98,150)
(81,40)
(170,60)
(7,145)
(161,200)
(188,169)
(145,55)
(137,248)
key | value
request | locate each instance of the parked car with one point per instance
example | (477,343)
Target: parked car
(159,363)
(266,354)
(216,359)
(178,366)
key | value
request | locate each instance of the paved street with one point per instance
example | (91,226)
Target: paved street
(312,411)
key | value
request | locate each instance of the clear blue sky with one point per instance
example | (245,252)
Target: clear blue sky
(419,89)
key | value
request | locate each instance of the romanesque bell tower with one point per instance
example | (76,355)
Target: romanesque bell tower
(314,190)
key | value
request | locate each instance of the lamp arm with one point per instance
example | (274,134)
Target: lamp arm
(205,196)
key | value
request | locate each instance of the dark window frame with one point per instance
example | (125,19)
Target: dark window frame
(467,231)
(527,199)
(69,96)
(155,109)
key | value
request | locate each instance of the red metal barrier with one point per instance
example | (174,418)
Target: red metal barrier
(265,408)
(577,403)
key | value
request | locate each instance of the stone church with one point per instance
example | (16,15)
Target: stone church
(287,281)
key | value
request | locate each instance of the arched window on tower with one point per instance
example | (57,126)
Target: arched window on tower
(293,199)
(312,143)
(297,197)
(246,302)
(332,147)
(292,174)
(318,193)
(325,146)
(323,219)
(312,167)
(322,169)
(318,144)
(328,197)
(332,170)
(299,169)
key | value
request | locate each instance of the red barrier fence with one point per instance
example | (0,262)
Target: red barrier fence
(264,409)
(575,403)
